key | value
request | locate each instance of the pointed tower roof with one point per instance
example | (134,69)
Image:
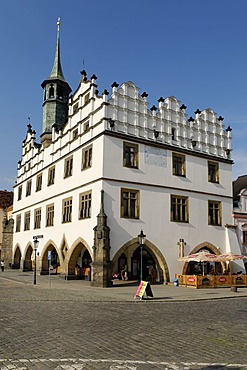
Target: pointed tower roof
(57,67)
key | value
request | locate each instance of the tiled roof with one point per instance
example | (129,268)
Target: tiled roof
(6,198)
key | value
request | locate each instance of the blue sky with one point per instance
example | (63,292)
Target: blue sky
(195,50)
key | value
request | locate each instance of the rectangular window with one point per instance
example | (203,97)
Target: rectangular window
(18,223)
(75,108)
(39,182)
(85,205)
(51,176)
(179,209)
(19,192)
(75,134)
(178,164)
(67,210)
(129,203)
(214,213)
(244,237)
(86,126)
(213,172)
(86,99)
(28,188)
(27,221)
(68,167)
(87,154)
(37,218)
(130,155)
(50,215)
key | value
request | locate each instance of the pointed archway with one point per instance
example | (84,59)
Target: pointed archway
(189,267)
(28,259)
(79,261)
(17,258)
(50,258)
(155,267)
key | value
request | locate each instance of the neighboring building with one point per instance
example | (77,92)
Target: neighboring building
(6,208)
(160,172)
(240,211)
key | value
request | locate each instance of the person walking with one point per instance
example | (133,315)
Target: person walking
(2,265)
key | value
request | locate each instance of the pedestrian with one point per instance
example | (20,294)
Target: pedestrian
(123,272)
(2,265)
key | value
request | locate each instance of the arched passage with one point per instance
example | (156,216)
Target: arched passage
(154,264)
(28,263)
(79,262)
(191,268)
(17,258)
(53,262)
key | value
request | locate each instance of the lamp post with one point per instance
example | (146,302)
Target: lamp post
(141,238)
(36,244)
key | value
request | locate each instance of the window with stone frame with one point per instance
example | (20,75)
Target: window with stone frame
(244,237)
(179,208)
(67,210)
(27,221)
(68,166)
(86,126)
(51,176)
(178,164)
(75,108)
(87,156)
(18,223)
(174,136)
(39,182)
(87,98)
(28,188)
(75,134)
(50,215)
(19,192)
(85,204)
(213,172)
(130,204)
(130,155)
(37,218)
(214,213)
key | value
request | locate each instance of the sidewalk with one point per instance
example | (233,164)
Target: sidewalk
(120,292)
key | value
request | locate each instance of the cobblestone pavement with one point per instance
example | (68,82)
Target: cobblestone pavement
(69,325)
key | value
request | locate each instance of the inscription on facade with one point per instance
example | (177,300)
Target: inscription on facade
(155,156)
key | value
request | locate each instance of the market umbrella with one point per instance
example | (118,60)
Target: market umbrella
(202,256)
(231,256)
(228,257)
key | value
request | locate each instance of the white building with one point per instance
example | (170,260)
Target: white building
(161,172)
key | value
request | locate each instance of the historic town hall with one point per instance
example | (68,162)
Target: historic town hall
(114,184)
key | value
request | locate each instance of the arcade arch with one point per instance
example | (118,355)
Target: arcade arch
(154,264)
(53,263)
(191,268)
(17,258)
(28,258)
(79,261)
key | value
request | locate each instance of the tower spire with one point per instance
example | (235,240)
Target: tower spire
(57,67)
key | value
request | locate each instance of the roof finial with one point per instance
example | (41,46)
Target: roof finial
(57,68)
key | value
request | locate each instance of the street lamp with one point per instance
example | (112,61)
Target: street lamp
(36,244)
(141,238)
